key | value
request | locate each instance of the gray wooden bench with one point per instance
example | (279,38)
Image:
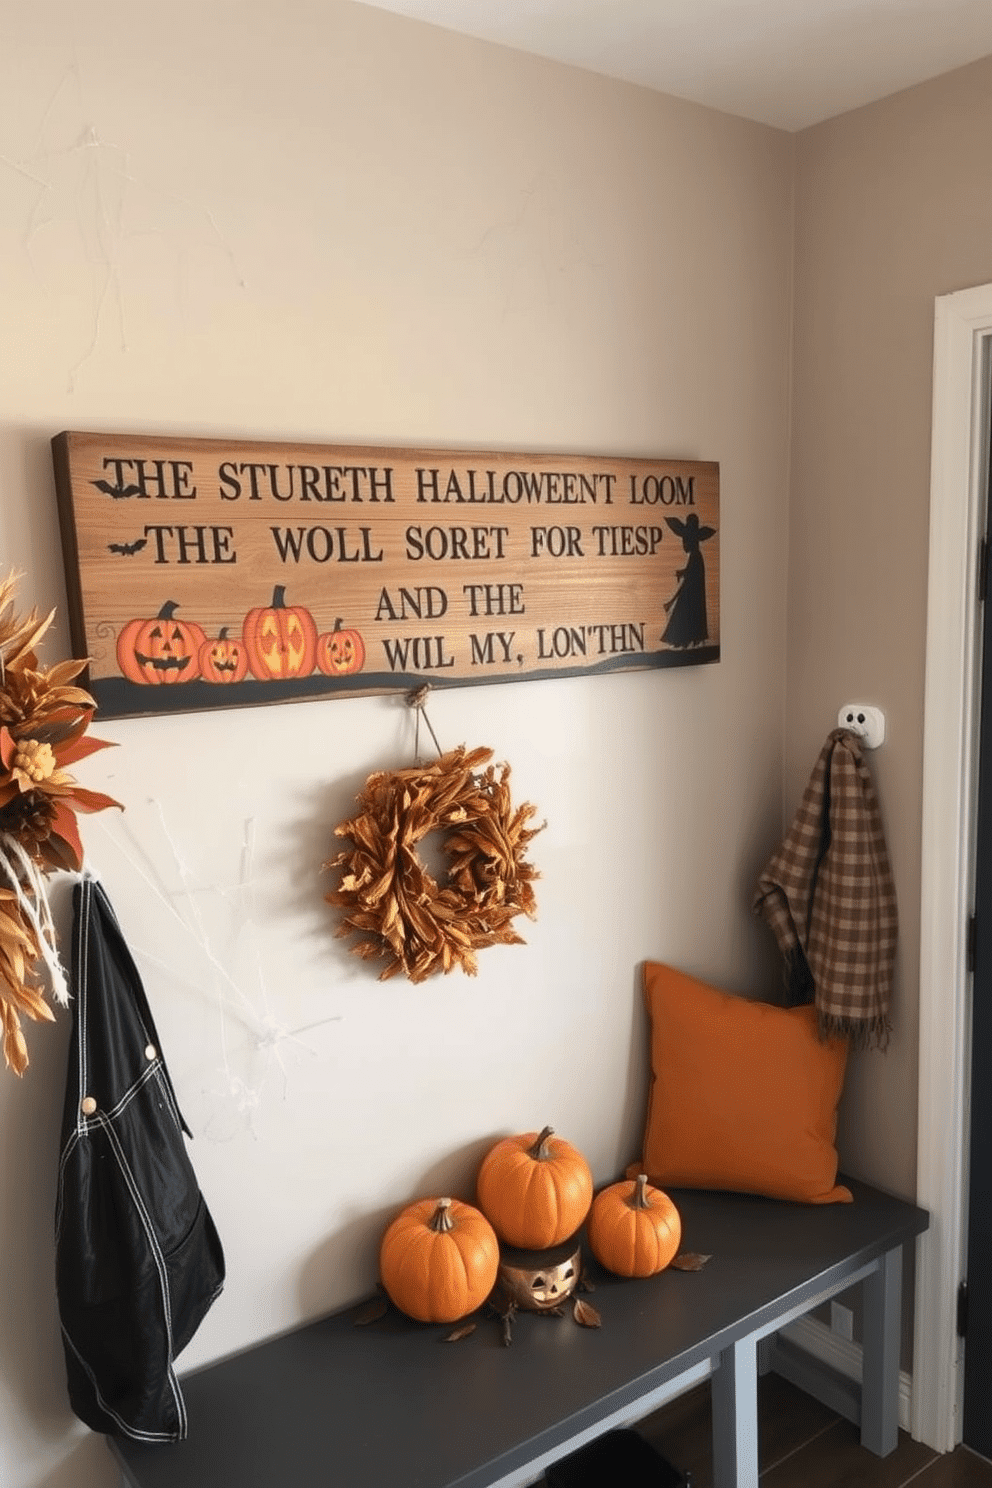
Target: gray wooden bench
(393,1405)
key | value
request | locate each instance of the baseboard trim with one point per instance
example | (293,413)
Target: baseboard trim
(840,1354)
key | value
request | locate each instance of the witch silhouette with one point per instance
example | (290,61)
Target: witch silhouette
(686,610)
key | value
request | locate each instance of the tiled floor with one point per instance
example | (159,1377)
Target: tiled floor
(802,1444)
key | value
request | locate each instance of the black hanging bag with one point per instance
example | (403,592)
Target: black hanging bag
(138,1260)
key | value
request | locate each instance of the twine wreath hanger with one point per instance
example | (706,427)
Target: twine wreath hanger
(417,700)
(390,899)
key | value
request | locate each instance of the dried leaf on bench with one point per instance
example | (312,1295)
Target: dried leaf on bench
(585,1314)
(371,1312)
(460,1333)
(689,1260)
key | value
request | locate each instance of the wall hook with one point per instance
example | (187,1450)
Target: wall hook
(867,722)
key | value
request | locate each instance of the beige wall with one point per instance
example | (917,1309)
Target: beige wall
(314,220)
(893,207)
(319,221)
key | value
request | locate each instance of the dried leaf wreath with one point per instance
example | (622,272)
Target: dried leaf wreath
(43,720)
(393,902)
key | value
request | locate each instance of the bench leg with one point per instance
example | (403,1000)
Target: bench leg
(882,1293)
(735,1417)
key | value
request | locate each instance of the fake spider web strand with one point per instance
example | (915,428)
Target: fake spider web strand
(96,203)
(266,1034)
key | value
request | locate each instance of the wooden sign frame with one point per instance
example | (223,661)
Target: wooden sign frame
(207,573)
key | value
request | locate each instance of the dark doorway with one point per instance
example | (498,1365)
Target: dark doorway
(977,1305)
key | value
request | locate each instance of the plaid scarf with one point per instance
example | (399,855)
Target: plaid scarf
(827,895)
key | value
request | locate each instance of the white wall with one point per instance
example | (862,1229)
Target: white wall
(312,220)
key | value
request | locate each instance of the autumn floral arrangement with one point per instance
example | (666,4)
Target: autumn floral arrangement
(43,724)
(396,906)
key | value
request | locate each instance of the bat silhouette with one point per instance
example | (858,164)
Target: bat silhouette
(117,492)
(128,549)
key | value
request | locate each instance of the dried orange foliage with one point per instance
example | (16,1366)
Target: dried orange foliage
(43,720)
(391,900)
(689,1260)
(586,1315)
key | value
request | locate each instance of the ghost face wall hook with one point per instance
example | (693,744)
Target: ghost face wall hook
(865,721)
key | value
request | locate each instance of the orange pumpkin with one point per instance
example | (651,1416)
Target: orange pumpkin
(224,660)
(534,1189)
(161,650)
(281,639)
(340,652)
(439,1260)
(634,1229)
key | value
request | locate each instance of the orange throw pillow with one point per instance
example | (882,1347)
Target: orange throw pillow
(743,1095)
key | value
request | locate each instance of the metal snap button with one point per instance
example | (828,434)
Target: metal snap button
(151,1052)
(87,1105)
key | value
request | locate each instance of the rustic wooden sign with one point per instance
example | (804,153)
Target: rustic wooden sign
(209,573)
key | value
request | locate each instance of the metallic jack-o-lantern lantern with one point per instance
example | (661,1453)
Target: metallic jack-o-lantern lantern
(539,1280)
(281,639)
(340,652)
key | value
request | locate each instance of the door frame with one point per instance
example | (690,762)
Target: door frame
(962,342)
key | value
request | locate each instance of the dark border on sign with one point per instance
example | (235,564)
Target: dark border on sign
(116,697)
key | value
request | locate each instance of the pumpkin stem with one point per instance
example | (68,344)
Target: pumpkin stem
(539,1150)
(222,634)
(639,1197)
(279,597)
(441,1221)
(168,610)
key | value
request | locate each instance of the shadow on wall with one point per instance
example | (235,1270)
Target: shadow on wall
(89,1466)
(354,1248)
(308,841)
(32,1363)
(630,1131)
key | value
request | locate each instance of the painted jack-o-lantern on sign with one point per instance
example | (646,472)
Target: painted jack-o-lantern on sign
(208,573)
(224,660)
(281,639)
(160,650)
(340,652)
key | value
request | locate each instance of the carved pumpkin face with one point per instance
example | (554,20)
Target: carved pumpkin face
(281,639)
(162,650)
(537,1288)
(224,660)
(340,652)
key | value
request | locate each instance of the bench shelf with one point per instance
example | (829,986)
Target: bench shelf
(394,1403)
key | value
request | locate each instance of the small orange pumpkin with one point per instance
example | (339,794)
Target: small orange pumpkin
(438,1260)
(634,1229)
(340,652)
(534,1189)
(162,650)
(281,639)
(224,660)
